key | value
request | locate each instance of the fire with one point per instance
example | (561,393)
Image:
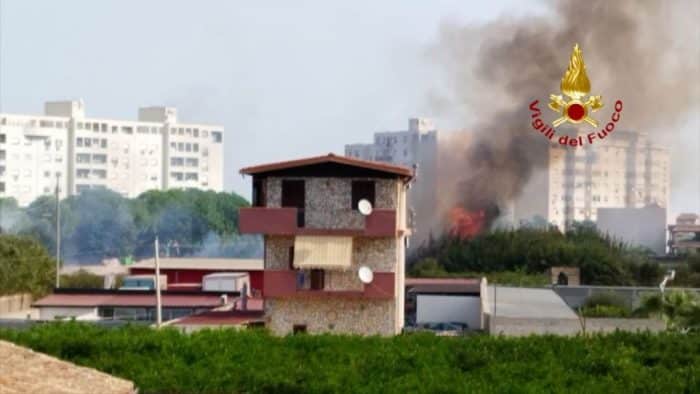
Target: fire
(466,224)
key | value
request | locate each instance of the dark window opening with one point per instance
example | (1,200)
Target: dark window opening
(290,257)
(299,329)
(317,277)
(259,195)
(562,279)
(362,190)
(293,196)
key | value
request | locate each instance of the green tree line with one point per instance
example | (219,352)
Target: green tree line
(532,251)
(99,224)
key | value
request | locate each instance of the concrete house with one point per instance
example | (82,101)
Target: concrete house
(316,241)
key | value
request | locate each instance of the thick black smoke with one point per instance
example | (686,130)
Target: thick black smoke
(643,52)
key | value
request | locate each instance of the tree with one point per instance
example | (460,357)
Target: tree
(25,266)
(679,309)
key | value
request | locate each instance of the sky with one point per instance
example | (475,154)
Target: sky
(285,81)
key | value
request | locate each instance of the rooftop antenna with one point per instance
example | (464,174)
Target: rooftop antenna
(365,207)
(365,274)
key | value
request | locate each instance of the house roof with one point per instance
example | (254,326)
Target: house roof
(202,263)
(221,318)
(442,281)
(125,299)
(532,303)
(330,158)
(467,289)
(25,371)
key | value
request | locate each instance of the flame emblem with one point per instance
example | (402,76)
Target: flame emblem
(576,85)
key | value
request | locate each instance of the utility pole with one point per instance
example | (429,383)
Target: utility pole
(58,230)
(159,317)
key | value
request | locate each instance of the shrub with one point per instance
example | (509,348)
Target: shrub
(605,311)
(82,280)
(604,299)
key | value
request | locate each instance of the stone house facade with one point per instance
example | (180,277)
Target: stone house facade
(316,241)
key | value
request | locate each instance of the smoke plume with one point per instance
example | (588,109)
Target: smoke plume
(645,53)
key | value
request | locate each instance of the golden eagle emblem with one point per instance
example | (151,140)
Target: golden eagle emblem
(576,85)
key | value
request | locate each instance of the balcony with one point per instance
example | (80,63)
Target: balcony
(293,221)
(285,284)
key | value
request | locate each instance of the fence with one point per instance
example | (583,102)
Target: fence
(576,296)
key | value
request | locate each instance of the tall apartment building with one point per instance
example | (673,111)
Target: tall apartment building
(317,241)
(129,157)
(626,170)
(417,148)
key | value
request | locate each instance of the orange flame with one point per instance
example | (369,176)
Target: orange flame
(466,224)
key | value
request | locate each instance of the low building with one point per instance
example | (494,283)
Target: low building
(317,240)
(444,300)
(189,272)
(123,305)
(643,227)
(684,236)
(524,311)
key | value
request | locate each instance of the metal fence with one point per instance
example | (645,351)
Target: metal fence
(576,296)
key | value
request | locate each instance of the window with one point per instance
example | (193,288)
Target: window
(195,147)
(83,158)
(176,161)
(259,193)
(190,162)
(293,195)
(103,143)
(290,257)
(299,329)
(317,277)
(3,138)
(216,136)
(362,190)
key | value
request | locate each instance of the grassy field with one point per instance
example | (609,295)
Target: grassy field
(225,361)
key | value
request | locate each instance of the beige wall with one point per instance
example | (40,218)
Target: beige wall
(328,315)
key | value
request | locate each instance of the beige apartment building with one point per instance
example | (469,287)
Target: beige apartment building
(130,157)
(626,170)
(317,241)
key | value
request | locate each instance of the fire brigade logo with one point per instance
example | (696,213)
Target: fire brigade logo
(575,108)
(576,86)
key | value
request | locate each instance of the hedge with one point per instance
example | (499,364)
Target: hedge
(227,361)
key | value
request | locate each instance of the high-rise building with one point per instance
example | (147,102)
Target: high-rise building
(129,157)
(416,148)
(626,170)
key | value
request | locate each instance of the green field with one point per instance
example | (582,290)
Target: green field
(225,361)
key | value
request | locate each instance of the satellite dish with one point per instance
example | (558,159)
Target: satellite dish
(366,275)
(365,207)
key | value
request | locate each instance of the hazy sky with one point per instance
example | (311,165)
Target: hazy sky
(285,81)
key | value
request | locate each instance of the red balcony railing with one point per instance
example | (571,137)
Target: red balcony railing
(284,284)
(291,221)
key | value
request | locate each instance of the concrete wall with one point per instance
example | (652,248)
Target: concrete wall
(328,201)
(79,313)
(329,315)
(15,303)
(524,326)
(449,308)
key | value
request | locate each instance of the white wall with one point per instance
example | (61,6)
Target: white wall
(80,313)
(449,308)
